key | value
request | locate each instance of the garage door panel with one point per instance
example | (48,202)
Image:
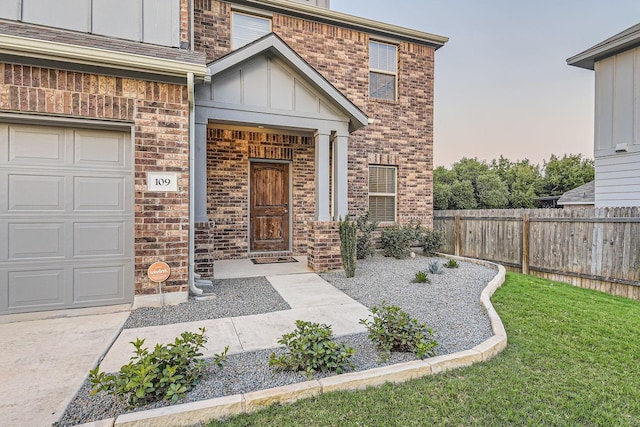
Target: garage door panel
(66,218)
(101,149)
(99,194)
(36,288)
(98,283)
(34,145)
(99,239)
(27,192)
(35,240)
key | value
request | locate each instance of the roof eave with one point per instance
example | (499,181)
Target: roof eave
(45,49)
(589,57)
(350,21)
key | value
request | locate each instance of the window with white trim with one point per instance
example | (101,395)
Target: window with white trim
(383,65)
(247,28)
(382,193)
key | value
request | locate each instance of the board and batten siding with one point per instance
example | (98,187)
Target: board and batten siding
(148,21)
(617,124)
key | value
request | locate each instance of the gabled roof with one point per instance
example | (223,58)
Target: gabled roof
(625,40)
(583,195)
(274,45)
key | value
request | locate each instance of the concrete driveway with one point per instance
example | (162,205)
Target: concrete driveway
(44,362)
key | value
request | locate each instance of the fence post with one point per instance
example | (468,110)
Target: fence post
(525,243)
(457,233)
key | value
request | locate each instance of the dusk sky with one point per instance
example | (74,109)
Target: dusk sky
(502,83)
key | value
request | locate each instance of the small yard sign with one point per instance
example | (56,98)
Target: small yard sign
(159,272)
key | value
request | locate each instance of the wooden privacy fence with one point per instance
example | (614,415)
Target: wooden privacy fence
(592,248)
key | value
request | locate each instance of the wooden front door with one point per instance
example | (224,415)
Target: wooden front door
(269,207)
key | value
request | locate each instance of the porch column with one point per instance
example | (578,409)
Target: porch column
(200,174)
(341,185)
(322,177)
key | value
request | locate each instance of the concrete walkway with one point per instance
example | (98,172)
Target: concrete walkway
(310,297)
(45,358)
(43,363)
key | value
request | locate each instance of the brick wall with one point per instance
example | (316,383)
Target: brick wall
(228,154)
(324,246)
(403,130)
(159,114)
(184,21)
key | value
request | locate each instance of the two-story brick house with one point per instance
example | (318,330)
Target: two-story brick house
(310,114)
(124,123)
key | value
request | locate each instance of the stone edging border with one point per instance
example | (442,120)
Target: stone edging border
(203,411)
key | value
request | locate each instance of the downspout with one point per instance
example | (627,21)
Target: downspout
(193,289)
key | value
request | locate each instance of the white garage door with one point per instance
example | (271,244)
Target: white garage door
(66,218)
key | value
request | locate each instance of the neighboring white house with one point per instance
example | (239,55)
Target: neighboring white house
(616,62)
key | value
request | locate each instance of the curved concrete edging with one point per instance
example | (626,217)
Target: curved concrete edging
(205,410)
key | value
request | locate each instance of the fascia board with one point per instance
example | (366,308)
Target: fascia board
(22,46)
(588,58)
(350,20)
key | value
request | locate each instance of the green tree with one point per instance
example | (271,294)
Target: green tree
(441,195)
(522,178)
(463,195)
(566,173)
(492,192)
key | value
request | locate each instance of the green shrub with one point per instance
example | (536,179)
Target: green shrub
(168,372)
(392,329)
(397,239)
(452,263)
(311,349)
(347,230)
(421,277)
(431,241)
(435,268)
(364,245)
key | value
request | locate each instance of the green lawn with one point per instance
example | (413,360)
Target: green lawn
(573,360)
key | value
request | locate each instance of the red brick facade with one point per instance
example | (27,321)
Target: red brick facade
(158,113)
(401,134)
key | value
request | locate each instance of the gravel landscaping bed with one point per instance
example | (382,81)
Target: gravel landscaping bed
(233,297)
(450,306)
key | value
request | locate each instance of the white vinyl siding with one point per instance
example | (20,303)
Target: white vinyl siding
(248,28)
(617,124)
(382,71)
(382,193)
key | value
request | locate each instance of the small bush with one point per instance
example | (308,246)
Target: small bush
(168,372)
(431,241)
(364,245)
(397,239)
(435,268)
(452,263)
(311,349)
(392,329)
(347,230)
(421,277)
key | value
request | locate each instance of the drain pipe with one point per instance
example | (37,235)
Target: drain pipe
(193,289)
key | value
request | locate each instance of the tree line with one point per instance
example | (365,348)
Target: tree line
(501,184)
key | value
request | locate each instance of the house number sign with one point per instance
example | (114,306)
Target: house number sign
(162,181)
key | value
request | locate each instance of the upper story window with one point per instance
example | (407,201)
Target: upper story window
(382,193)
(247,28)
(383,65)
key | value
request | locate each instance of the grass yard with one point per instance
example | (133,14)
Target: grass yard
(573,360)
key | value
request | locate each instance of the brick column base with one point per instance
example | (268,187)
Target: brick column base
(203,249)
(324,246)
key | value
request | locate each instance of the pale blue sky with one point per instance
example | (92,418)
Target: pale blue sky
(502,82)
